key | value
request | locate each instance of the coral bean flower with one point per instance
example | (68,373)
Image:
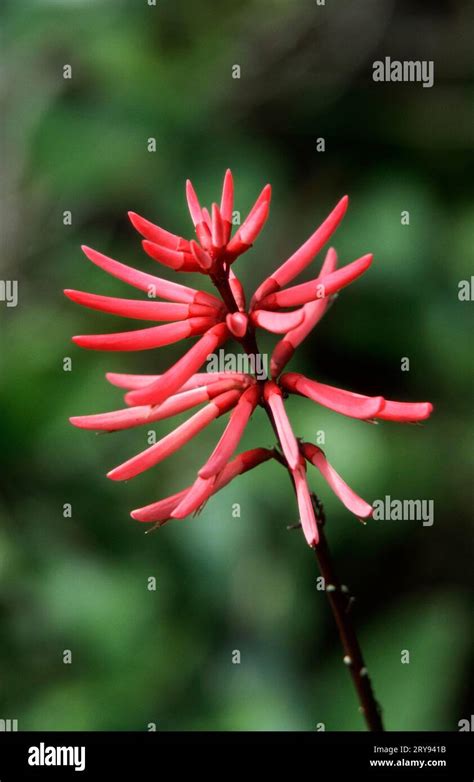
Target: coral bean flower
(291,311)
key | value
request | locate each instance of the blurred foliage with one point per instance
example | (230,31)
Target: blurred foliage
(140,656)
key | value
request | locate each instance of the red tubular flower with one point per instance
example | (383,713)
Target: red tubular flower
(319,288)
(161,511)
(229,441)
(313,312)
(273,396)
(305,504)
(189,312)
(176,439)
(304,255)
(355,405)
(349,498)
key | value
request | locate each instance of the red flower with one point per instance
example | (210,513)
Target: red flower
(188,312)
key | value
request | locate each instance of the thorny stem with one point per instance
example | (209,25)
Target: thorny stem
(338,594)
(341,601)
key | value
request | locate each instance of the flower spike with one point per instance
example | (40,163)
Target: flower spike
(277,306)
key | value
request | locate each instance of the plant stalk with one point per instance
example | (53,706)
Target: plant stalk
(340,602)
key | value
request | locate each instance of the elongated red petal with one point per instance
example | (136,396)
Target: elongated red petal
(237,244)
(146,414)
(202,488)
(203,233)
(154,286)
(329,263)
(264,197)
(319,288)
(237,323)
(195,497)
(284,350)
(173,259)
(313,312)
(132,382)
(218,229)
(348,497)
(161,511)
(156,234)
(304,255)
(248,231)
(277,322)
(202,258)
(274,398)
(193,204)
(305,506)
(227,203)
(405,412)
(282,354)
(207,217)
(233,432)
(180,372)
(145,339)
(175,439)
(345,402)
(237,290)
(141,310)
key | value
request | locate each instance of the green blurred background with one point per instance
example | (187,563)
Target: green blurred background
(224,583)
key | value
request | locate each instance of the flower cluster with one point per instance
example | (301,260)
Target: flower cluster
(288,310)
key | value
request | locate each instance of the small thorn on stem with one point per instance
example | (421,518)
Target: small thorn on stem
(294,526)
(350,603)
